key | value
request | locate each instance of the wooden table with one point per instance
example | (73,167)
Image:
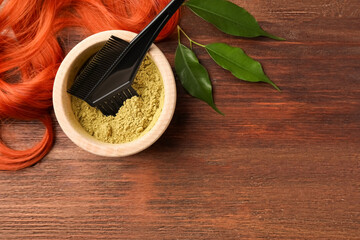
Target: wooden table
(277,166)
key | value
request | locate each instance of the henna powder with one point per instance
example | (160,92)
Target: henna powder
(135,118)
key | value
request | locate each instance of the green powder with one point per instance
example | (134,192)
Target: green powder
(135,118)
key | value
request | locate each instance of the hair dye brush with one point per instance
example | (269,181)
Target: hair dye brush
(105,81)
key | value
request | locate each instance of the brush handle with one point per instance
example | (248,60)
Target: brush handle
(139,46)
(147,36)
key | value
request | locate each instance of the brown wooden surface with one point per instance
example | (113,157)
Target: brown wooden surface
(277,166)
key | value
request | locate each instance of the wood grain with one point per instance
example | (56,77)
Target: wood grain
(277,166)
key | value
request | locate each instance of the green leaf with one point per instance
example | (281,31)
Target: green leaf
(228,17)
(238,63)
(193,76)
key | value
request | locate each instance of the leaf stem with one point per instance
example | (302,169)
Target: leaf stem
(178,28)
(190,40)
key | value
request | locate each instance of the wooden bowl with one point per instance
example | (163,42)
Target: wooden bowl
(62,100)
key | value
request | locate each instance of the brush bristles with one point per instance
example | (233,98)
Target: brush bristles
(93,73)
(112,104)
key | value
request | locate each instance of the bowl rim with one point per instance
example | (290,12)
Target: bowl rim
(65,118)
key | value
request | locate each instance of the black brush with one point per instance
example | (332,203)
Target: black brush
(105,81)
